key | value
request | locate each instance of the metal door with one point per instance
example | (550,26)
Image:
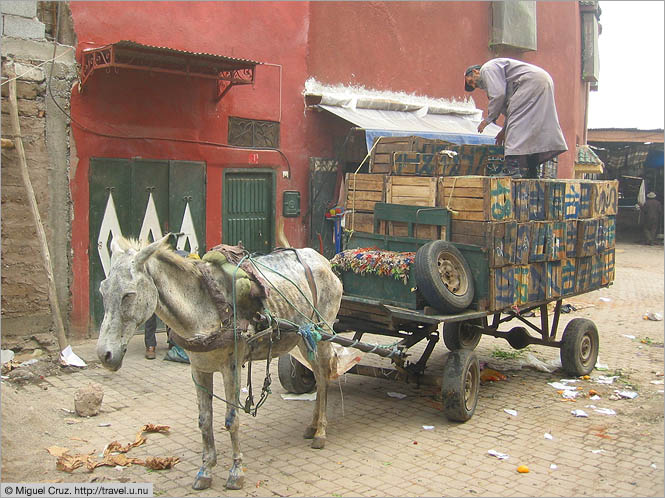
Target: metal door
(143,199)
(248,212)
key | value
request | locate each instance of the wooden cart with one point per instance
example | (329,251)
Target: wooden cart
(446,276)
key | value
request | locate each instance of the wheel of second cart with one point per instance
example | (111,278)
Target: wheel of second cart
(443,276)
(461,383)
(462,335)
(579,346)
(294,376)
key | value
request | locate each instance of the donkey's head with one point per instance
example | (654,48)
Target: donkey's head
(130,298)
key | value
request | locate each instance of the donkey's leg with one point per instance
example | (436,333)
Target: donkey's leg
(236,478)
(322,370)
(204,476)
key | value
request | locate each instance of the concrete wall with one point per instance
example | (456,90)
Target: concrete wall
(45,131)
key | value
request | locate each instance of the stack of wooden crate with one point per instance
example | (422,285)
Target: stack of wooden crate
(363,191)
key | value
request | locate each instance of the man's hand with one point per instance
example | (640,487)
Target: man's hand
(500,137)
(482,126)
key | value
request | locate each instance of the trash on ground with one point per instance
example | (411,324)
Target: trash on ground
(72,421)
(601,366)
(650,315)
(567,308)
(601,379)
(653,466)
(510,412)
(595,397)
(628,336)
(6,356)
(57,450)
(626,394)
(104,424)
(396,395)
(490,375)
(523,469)
(579,413)
(605,411)
(499,455)
(530,360)
(597,451)
(604,299)
(553,466)
(244,390)
(569,394)
(428,427)
(88,400)
(68,357)
(299,397)
(561,386)
(658,382)
(27,363)
(548,436)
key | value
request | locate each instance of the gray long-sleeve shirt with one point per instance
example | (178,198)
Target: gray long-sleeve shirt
(524,93)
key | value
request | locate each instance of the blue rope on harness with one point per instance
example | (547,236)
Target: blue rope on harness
(311,336)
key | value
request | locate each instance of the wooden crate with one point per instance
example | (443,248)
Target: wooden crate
(606,232)
(571,238)
(381,157)
(523,244)
(416,163)
(464,160)
(553,285)
(413,190)
(597,267)
(521,189)
(571,200)
(568,273)
(586,210)
(362,222)
(502,288)
(583,267)
(431,145)
(477,198)
(537,200)
(555,192)
(556,242)
(608,267)
(540,235)
(401,229)
(537,282)
(363,191)
(521,284)
(587,237)
(604,198)
(498,238)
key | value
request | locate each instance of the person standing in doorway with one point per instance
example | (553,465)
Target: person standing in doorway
(524,94)
(652,210)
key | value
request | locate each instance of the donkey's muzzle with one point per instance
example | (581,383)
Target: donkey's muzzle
(110,359)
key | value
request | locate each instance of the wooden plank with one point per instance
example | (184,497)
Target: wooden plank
(604,198)
(364,181)
(586,187)
(556,243)
(571,200)
(521,189)
(447,191)
(502,288)
(571,238)
(416,163)
(362,222)
(521,284)
(568,274)
(582,274)
(554,199)
(498,238)
(608,267)
(415,190)
(553,285)
(597,267)
(401,229)
(496,194)
(587,237)
(523,243)
(537,281)
(537,200)
(540,232)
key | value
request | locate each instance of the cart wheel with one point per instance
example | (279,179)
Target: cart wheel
(462,335)
(518,337)
(579,346)
(443,276)
(461,381)
(294,376)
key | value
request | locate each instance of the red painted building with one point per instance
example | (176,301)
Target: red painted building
(157,141)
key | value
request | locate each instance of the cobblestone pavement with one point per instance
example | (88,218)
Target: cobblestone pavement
(377,445)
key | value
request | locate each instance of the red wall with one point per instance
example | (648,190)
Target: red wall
(420,47)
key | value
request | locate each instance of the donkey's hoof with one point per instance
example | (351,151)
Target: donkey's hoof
(309,433)
(202,482)
(318,443)
(235,482)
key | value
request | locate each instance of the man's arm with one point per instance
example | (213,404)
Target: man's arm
(495,81)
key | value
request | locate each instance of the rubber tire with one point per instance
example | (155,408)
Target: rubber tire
(295,377)
(430,283)
(457,335)
(461,383)
(517,337)
(579,347)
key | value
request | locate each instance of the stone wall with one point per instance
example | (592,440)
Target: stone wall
(45,131)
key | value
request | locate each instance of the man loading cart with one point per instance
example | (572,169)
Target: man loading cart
(524,94)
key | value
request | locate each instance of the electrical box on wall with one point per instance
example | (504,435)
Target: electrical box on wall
(291,204)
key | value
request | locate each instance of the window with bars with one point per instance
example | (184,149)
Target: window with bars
(253,133)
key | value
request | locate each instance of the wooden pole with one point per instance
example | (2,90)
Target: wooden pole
(18,143)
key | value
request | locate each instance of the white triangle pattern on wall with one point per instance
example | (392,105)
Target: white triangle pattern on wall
(150,223)
(110,225)
(188,233)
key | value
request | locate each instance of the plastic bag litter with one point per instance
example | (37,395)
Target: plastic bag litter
(553,466)
(604,299)
(530,360)
(428,427)
(344,359)
(601,379)
(657,382)
(650,315)
(548,436)
(597,451)
(579,413)
(499,455)
(600,366)
(631,337)
(560,386)
(299,397)
(570,394)
(605,411)
(7,355)
(626,394)
(177,354)
(396,395)
(510,412)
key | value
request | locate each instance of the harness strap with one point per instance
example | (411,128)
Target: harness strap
(308,274)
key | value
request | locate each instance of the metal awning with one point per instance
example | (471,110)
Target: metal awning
(452,127)
(227,71)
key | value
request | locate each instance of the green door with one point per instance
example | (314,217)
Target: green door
(143,199)
(248,212)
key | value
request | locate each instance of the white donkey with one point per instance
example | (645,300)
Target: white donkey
(153,279)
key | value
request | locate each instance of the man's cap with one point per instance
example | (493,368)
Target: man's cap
(651,195)
(467,87)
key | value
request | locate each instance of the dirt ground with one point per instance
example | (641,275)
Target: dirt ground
(37,412)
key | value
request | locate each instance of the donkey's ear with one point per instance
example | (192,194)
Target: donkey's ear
(115,247)
(145,253)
